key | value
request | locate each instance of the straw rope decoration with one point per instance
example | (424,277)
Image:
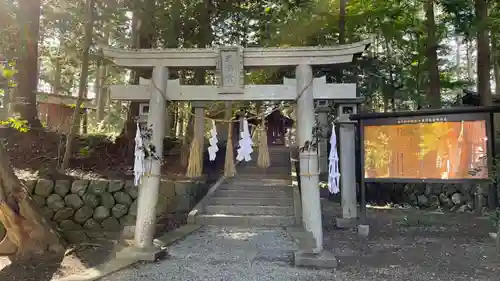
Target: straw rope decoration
(229,167)
(185,146)
(263,160)
(194,166)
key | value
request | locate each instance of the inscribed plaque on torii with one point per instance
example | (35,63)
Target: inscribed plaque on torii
(230,70)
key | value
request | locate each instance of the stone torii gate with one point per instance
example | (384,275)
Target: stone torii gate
(230,64)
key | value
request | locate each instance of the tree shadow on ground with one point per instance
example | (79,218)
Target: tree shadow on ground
(77,258)
(32,270)
(95,252)
(444,245)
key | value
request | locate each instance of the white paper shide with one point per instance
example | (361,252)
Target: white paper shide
(333,164)
(213,148)
(245,144)
(139,161)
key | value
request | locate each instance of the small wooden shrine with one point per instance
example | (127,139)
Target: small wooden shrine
(277,126)
(56,111)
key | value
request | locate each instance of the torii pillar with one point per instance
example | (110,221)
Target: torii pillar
(143,248)
(311,254)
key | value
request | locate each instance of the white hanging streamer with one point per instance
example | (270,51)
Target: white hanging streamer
(245,144)
(213,148)
(139,161)
(333,164)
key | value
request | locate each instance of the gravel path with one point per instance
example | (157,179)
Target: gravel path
(231,254)
(394,252)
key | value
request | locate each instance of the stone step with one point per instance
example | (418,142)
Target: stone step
(244,181)
(283,174)
(245,221)
(263,176)
(250,210)
(254,194)
(250,201)
(274,168)
(242,177)
(284,169)
(256,187)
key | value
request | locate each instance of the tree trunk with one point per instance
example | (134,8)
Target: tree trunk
(84,113)
(143,36)
(24,102)
(129,127)
(97,90)
(470,63)
(203,39)
(181,119)
(458,71)
(483,53)
(89,25)
(101,91)
(434,90)
(56,89)
(483,72)
(57,83)
(496,71)
(495,47)
(342,16)
(26,228)
(101,76)
(175,128)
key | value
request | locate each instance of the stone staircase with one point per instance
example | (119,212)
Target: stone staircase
(255,197)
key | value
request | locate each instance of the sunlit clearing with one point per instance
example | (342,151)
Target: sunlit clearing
(22,173)
(380,207)
(239,235)
(4,262)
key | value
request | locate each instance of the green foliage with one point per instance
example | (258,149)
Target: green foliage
(392,76)
(7,73)
(20,125)
(84,151)
(495,217)
(73,106)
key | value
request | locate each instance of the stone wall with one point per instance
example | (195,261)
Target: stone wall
(106,205)
(452,197)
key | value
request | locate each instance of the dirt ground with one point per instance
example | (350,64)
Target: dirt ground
(77,258)
(415,245)
(82,257)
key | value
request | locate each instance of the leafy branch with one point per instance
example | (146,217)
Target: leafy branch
(17,124)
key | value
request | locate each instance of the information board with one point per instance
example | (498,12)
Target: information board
(439,147)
